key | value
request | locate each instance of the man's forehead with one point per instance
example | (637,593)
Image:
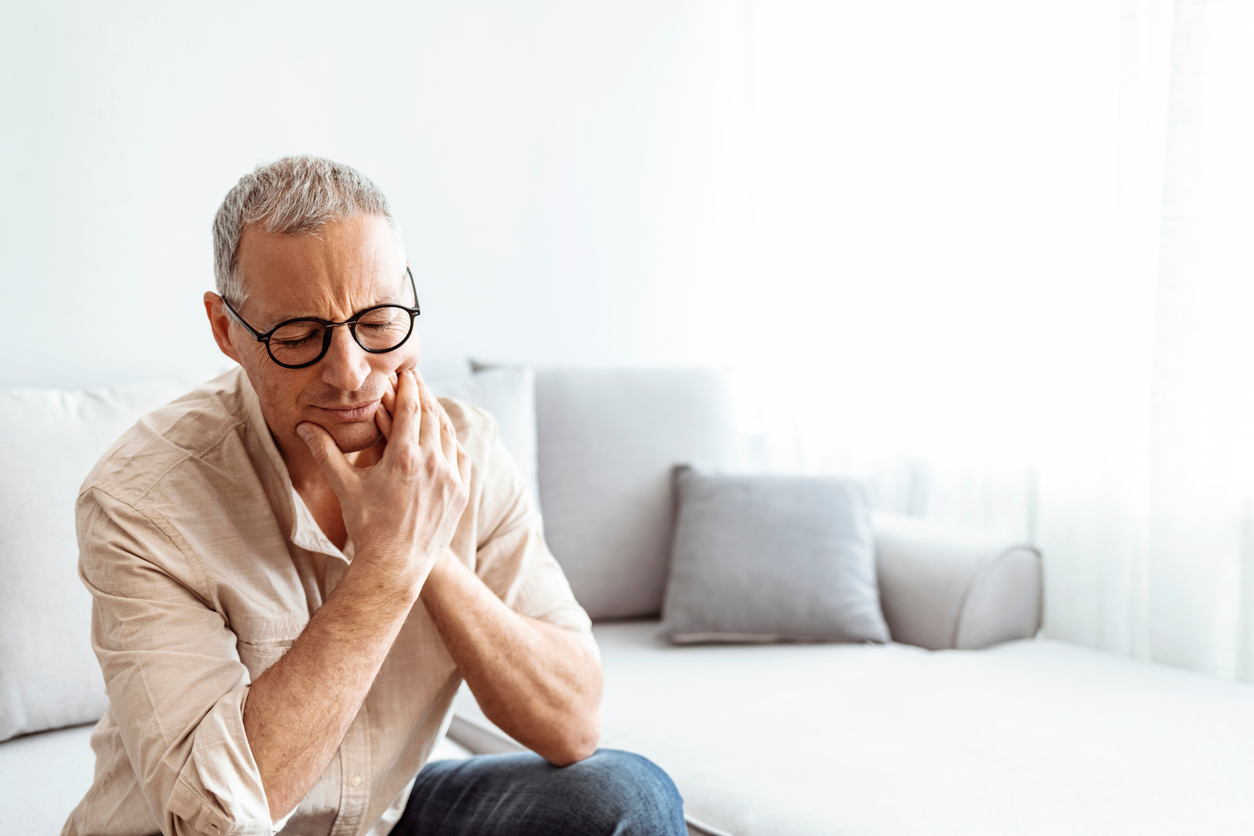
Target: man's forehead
(355,263)
(336,299)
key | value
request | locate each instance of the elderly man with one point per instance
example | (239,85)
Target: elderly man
(295,566)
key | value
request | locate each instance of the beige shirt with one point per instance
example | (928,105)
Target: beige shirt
(205,565)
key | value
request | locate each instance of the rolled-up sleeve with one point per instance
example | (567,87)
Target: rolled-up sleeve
(176,685)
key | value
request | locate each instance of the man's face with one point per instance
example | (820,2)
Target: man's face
(347,266)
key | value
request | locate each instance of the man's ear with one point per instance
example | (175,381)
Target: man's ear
(220,322)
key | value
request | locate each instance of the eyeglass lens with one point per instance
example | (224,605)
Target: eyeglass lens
(301,340)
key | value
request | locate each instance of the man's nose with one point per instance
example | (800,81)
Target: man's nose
(346,365)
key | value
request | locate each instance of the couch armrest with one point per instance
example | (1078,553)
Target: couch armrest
(943,588)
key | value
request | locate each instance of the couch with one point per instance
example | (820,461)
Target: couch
(966,722)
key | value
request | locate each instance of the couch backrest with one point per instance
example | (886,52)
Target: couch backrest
(607,442)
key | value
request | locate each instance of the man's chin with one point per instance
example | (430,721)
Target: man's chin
(354,438)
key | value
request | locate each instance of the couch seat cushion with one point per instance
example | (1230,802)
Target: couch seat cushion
(1031,737)
(42,777)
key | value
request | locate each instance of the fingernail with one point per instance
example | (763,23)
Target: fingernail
(304,432)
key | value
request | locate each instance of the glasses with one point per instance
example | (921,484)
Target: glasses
(301,342)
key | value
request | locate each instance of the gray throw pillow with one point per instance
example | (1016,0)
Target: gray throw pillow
(771,558)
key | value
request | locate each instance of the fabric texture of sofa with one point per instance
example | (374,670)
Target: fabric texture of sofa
(964,723)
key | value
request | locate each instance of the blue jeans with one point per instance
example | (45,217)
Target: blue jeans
(612,793)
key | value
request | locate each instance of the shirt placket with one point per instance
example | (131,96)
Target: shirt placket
(354,776)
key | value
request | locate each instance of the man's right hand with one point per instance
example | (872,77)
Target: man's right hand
(401,512)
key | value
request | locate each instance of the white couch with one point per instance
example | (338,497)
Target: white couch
(966,723)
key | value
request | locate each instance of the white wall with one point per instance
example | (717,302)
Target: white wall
(549,161)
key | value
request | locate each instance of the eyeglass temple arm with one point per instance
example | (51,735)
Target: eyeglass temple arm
(414,288)
(260,337)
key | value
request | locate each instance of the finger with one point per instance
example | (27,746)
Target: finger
(327,454)
(429,432)
(448,437)
(383,419)
(389,395)
(407,416)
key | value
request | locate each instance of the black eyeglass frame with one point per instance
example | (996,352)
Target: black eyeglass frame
(327,325)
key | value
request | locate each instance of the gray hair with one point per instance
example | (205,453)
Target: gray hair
(292,196)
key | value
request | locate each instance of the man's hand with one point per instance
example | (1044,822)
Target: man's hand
(401,511)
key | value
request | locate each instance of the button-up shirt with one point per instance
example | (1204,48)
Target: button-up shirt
(205,565)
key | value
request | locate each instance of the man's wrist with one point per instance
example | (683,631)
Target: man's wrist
(383,578)
(439,576)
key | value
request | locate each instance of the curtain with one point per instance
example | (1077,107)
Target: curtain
(992,259)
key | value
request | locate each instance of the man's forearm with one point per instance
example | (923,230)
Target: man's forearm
(541,684)
(299,709)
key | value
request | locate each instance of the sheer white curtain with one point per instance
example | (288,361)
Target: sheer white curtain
(1199,601)
(993,259)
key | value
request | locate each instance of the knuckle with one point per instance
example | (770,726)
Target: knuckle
(407,462)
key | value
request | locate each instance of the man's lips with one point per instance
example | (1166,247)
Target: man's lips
(360,412)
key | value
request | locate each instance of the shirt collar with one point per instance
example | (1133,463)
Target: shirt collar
(305,531)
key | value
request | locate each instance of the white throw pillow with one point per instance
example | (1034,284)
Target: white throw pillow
(49,441)
(509,393)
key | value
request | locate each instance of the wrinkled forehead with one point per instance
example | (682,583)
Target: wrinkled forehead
(340,268)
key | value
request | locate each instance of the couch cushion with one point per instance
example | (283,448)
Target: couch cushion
(771,558)
(49,440)
(1030,737)
(607,443)
(43,777)
(509,393)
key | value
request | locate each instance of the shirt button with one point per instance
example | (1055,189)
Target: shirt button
(356,782)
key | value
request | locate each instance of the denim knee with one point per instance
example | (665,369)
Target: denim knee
(631,792)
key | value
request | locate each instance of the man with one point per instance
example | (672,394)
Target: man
(294,566)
